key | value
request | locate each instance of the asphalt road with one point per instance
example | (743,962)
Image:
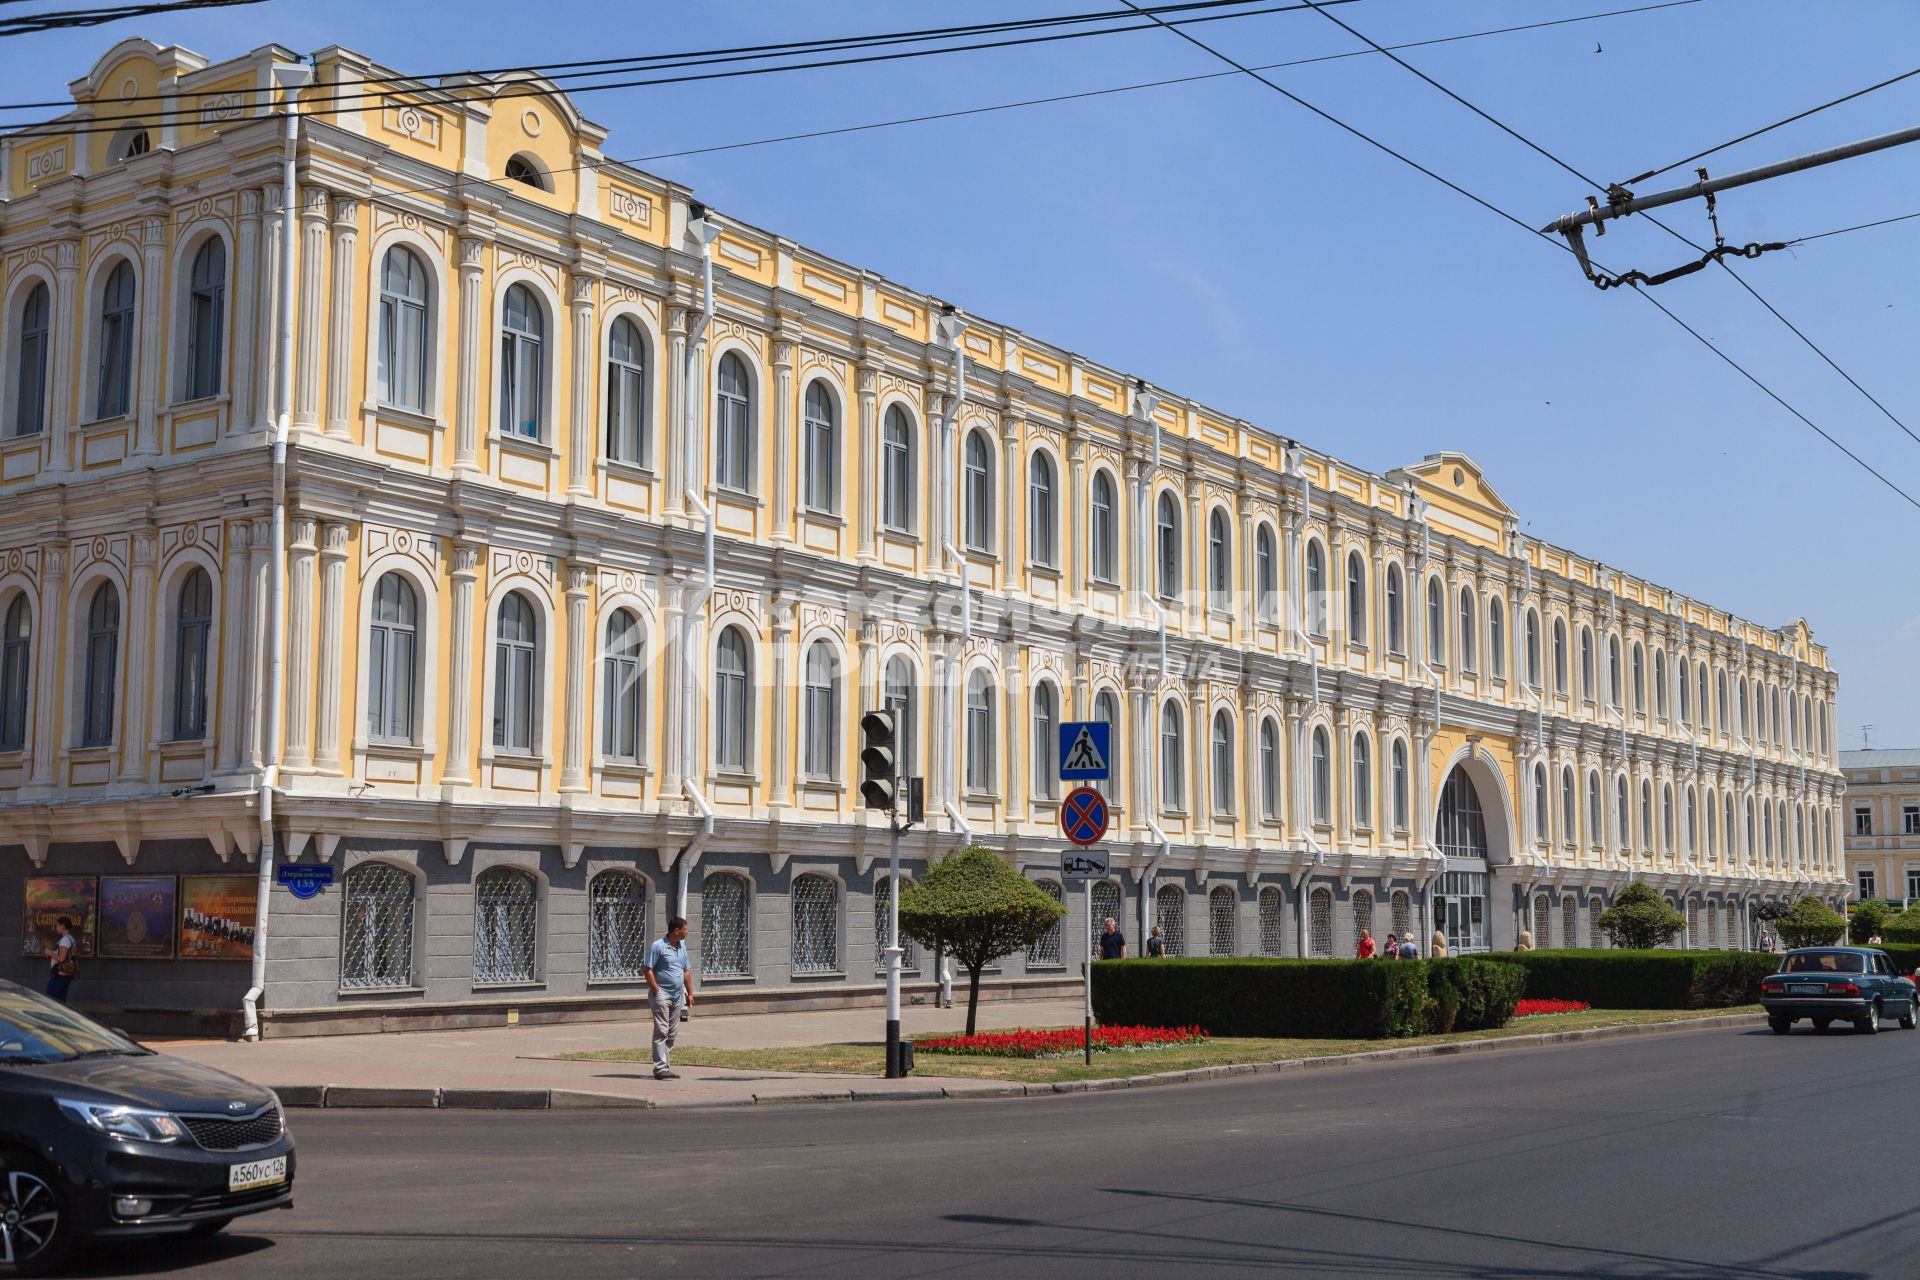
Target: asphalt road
(1716,1153)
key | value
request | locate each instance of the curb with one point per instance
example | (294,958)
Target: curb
(309,1097)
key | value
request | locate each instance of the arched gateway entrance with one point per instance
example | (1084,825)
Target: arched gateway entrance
(1460,829)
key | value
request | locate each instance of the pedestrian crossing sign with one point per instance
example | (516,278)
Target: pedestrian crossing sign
(1083,750)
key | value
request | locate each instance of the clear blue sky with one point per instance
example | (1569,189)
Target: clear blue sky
(1227,245)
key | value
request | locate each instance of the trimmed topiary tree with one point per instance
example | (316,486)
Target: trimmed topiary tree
(1868,916)
(1810,923)
(976,908)
(1640,919)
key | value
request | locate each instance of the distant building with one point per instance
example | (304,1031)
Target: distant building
(1883,823)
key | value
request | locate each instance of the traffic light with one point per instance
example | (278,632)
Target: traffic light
(879,760)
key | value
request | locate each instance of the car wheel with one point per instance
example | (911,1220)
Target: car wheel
(212,1227)
(1870,1024)
(1821,1024)
(35,1233)
(1907,1019)
(1780,1025)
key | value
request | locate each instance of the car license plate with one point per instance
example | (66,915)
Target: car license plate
(1816,989)
(256,1173)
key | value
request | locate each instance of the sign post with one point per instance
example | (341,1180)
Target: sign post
(1084,753)
(1085,866)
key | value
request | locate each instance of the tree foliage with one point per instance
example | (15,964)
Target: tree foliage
(976,908)
(1810,923)
(1904,927)
(1869,915)
(1640,918)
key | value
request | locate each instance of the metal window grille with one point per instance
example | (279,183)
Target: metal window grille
(1569,921)
(723,926)
(617,926)
(1320,922)
(503,926)
(1713,926)
(1362,915)
(816,925)
(1273,934)
(1223,924)
(1594,937)
(1106,905)
(1402,906)
(376,929)
(1693,924)
(1542,920)
(882,918)
(1045,951)
(1170,913)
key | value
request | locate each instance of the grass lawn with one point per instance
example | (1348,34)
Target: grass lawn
(867,1059)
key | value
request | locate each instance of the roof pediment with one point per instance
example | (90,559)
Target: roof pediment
(1459,499)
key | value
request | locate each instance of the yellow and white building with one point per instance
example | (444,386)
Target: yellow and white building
(1882,817)
(523,720)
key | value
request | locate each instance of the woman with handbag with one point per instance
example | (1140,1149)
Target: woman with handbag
(63,960)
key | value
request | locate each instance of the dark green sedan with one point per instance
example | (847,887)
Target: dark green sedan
(1844,984)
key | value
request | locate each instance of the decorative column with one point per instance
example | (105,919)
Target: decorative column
(60,415)
(1251,799)
(266,401)
(1295,812)
(460,690)
(1015,733)
(940,737)
(1074,511)
(1013,492)
(580,450)
(253,708)
(153,297)
(777,719)
(780,492)
(233,648)
(1197,592)
(673,440)
(1200,759)
(1145,797)
(52,618)
(867,460)
(298,755)
(1247,608)
(573,750)
(313,278)
(466,418)
(333,580)
(346,213)
(673,675)
(1139,530)
(246,304)
(136,728)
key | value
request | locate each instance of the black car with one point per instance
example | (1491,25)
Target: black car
(101,1139)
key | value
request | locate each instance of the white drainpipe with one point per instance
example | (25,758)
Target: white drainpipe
(1146,405)
(949,327)
(289,76)
(703,231)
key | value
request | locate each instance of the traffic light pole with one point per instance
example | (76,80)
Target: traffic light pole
(893,949)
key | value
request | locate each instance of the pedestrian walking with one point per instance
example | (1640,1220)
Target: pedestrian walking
(1363,949)
(1113,943)
(1438,947)
(1392,950)
(1409,949)
(63,960)
(1156,945)
(670,988)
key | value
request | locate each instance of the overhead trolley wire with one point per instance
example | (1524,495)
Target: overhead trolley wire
(1841,231)
(64,19)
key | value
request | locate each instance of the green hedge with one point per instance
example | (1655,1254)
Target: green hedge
(1644,979)
(1324,999)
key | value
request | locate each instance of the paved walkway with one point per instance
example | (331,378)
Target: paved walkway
(519,1057)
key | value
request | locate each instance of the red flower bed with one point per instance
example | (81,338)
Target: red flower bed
(1529,1008)
(1058,1041)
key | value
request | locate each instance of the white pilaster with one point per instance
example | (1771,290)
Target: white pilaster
(573,757)
(299,656)
(346,214)
(460,683)
(313,283)
(333,578)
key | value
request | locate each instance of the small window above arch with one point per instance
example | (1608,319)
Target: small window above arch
(129,141)
(523,168)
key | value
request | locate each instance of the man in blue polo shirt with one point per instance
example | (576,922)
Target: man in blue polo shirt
(669,982)
(1113,943)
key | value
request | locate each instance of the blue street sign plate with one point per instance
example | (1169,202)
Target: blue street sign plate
(1083,816)
(1083,751)
(303,882)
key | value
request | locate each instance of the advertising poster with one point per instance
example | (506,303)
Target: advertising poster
(217,915)
(137,917)
(50,897)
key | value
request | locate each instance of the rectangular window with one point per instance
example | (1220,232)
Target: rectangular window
(1913,885)
(1862,820)
(1865,878)
(1910,820)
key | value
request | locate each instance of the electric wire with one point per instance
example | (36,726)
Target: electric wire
(1841,231)
(65,19)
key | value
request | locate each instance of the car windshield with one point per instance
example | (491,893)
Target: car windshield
(36,1029)
(1825,962)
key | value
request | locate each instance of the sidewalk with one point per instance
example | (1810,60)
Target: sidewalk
(517,1058)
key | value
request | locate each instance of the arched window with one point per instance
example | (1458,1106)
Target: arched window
(1436,623)
(1733,832)
(1460,827)
(523,329)
(403,348)
(733,425)
(1044,953)
(525,170)
(725,927)
(1223,756)
(16,659)
(1269,770)
(1666,818)
(896,471)
(1692,827)
(1401,906)
(1356,599)
(1402,806)
(1043,512)
(1322,761)
(1467,641)
(821,754)
(1396,612)
(129,141)
(897,696)
(1362,781)
(1106,709)
(103,658)
(516,674)
(376,928)
(1595,816)
(392,648)
(192,627)
(1219,563)
(616,927)
(1542,920)
(1752,844)
(627,436)
(1773,714)
(206,318)
(1320,923)
(1170,913)
(819,450)
(1569,920)
(113,387)
(622,675)
(909,954)
(1266,569)
(980,753)
(1685,692)
(1622,812)
(1542,819)
(732,701)
(1223,924)
(1646,816)
(1316,589)
(1569,808)
(505,921)
(1759,712)
(1613,676)
(1586,664)
(30,372)
(979,492)
(1173,771)
(1560,657)
(1497,638)
(1046,740)
(1660,683)
(1639,679)
(1362,904)
(1273,932)
(1166,534)
(1102,532)
(1706,701)
(816,925)
(1533,648)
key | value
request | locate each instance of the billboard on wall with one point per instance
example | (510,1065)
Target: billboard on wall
(137,917)
(217,917)
(47,899)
